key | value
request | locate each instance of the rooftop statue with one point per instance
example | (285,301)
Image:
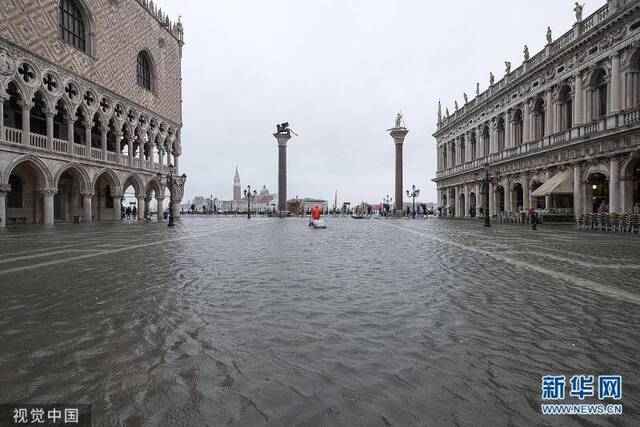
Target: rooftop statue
(526,52)
(492,79)
(578,10)
(477,88)
(399,120)
(466,99)
(507,65)
(549,35)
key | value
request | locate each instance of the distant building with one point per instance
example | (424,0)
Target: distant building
(307,204)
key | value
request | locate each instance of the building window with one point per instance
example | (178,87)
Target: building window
(72,25)
(517,128)
(539,119)
(145,77)
(14,197)
(565,104)
(474,150)
(500,135)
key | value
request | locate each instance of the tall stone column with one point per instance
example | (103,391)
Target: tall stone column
(478,197)
(48,205)
(117,207)
(26,122)
(577,189)
(398,135)
(526,194)
(526,122)
(508,128)
(549,127)
(615,83)
(49,115)
(282,138)
(118,136)
(160,207)
(614,185)
(86,206)
(141,208)
(4,189)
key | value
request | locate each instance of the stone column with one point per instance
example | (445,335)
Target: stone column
(547,199)
(131,150)
(456,202)
(175,162)
(526,197)
(615,83)
(26,122)
(526,122)
(160,207)
(614,185)
(70,135)
(549,125)
(492,199)
(4,189)
(577,189)
(478,197)
(507,195)
(141,207)
(2,121)
(507,130)
(87,138)
(578,108)
(467,203)
(48,205)
(49,115)
(117,207)
(282,138)
(86,206)
(103,141)
(118,135)
(398,135)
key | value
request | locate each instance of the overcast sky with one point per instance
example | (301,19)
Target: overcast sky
(338,71)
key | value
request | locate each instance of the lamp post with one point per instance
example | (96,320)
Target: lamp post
(172,182)
(413,194)
(248,194)
(486,180)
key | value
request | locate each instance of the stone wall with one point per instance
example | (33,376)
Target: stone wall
(123,28)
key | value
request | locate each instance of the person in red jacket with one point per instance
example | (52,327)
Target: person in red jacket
(315,213)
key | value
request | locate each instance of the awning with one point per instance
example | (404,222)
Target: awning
(561,183)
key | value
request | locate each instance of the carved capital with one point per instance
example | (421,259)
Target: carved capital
(49,192)
(5,188)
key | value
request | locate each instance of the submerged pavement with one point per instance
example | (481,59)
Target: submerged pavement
(371,322)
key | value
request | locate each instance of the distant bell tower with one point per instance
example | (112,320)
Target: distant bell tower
(237,193)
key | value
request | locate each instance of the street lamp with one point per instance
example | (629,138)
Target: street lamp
(174,185)
(488,179)
(413,194)
(248,194)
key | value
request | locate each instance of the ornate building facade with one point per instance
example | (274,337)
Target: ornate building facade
(90,101)
(561,131)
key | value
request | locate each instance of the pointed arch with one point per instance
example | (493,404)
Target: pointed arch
(135,181)
(41,170)
(109,175)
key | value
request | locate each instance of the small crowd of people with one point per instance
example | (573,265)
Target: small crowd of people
(129,212)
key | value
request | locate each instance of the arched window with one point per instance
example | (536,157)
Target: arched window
(485,140)
(517,128)
(444,157)
(72,25)
(598,92)
(14,197)
(145,76)
(463,146)
(565,105)
(453,153)
(632,80)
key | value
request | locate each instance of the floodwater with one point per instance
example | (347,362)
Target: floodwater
(268,322)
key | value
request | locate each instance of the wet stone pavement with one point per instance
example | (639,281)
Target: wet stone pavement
(268,322)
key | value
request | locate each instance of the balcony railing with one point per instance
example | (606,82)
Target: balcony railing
(37,140)
(616,121)
(60,146)
(13,135)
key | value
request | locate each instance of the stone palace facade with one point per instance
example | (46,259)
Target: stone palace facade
(562,131)
(90,101)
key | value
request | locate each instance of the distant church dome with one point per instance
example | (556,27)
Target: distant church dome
(264,191)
